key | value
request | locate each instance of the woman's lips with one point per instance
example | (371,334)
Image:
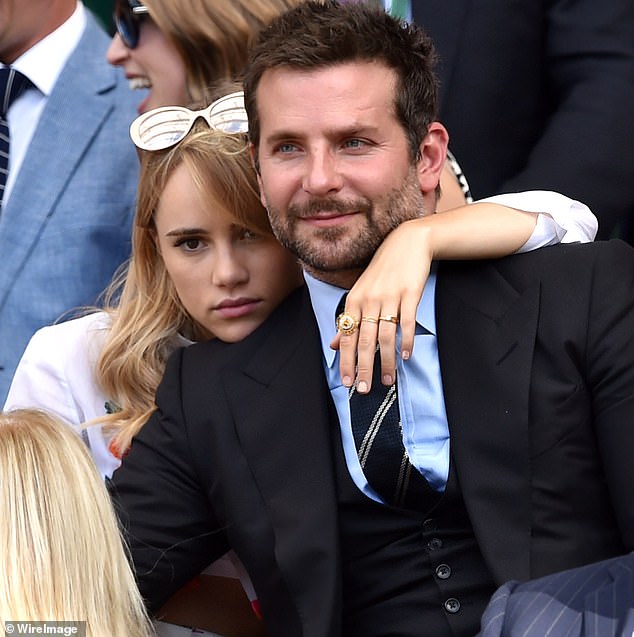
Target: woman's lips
(236,308)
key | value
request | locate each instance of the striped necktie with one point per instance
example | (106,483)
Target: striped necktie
(378,436)
(12,85)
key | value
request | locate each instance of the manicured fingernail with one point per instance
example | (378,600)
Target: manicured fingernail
(362,387)
(405,355)
(387,379)
(347,381)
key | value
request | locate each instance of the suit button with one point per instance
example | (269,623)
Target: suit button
(434,544)
(452,605)
(429,525)
(443,571)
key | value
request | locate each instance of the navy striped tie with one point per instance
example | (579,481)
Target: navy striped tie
(378,436)
(12,84)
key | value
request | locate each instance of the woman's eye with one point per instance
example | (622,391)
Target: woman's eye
(189,245)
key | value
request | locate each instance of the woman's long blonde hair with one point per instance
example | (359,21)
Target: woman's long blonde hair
(213,36)
(61,554)
(147,315)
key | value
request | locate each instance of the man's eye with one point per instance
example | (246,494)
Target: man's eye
(354,143)
(286,148)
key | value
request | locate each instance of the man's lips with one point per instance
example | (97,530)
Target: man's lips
(235,308)
(328,219)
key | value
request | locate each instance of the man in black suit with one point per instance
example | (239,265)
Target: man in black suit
(515,405)
(540,95)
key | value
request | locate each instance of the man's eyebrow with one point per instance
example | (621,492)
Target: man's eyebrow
(356,130)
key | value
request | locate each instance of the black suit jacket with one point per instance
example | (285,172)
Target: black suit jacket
(540,95)
(537,360)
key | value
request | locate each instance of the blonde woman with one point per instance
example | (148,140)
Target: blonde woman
(61,555)
(205,264)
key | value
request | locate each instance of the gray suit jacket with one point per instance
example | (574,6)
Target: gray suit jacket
(592,601)
(66,226)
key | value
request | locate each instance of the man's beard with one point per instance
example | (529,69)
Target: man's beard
(332,249)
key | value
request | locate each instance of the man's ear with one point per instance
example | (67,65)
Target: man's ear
(256,167)
(432,155)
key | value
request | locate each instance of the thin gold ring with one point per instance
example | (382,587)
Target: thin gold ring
(347,324)
(369,319)
(389,317)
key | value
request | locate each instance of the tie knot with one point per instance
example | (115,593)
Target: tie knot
(12,85)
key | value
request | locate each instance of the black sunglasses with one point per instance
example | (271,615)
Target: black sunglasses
(127,18)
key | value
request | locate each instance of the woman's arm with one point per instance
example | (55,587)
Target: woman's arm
(393,282)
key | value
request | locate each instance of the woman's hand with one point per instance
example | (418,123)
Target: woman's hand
(389,290)
(386,294)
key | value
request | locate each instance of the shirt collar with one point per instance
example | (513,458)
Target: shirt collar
(44,61)
(325,298)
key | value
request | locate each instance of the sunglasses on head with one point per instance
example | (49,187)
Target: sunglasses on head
(166,126)
(127,18)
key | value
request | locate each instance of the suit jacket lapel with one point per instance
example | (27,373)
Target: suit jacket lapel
(73,114)
(486,335)
(280,401)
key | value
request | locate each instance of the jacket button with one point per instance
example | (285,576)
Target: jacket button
(452,605)
(443,571)
(434,544)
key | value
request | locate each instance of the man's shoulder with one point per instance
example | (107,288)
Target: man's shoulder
(576,260)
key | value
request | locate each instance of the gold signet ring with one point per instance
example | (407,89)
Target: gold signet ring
(347,324)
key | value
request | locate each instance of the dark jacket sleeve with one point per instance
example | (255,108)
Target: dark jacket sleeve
(160,501)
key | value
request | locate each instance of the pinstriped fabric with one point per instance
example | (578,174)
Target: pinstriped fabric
(12,84)
(592,601)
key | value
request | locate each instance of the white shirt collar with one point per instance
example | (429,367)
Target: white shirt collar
(44,61)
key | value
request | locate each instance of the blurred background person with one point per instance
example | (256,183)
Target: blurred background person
(180,49)
(67,166)
(61,554)
(539,95)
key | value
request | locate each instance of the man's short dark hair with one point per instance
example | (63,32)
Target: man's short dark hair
(320,34)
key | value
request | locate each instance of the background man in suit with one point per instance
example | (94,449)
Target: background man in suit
(515,404)
(539,95)
(596,600)
(67,207)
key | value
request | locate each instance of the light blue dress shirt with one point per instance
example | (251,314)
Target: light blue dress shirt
(420,394)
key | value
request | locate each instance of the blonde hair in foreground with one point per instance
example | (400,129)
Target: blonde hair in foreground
(146,312)
(61,554)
